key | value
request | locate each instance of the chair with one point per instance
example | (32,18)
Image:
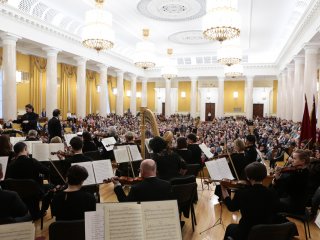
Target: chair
(184,194)
(94,155)
(92,189)
(283,231)
(184,180)
(68,230)
(193,169)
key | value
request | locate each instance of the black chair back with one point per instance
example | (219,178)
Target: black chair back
(68,230)
(94,155)
(183,180)
(193,169)
(283,231)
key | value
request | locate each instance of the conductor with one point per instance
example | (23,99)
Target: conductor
(29,120)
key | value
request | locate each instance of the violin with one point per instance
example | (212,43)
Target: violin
(64,154)
(126,180)
(231,184)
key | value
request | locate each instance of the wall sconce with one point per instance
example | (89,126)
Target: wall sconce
(183,94)
(138,95)
(209,95)
(18,77)
(128,93)
(98,88)
(264,95)
(235,95)
(114,91)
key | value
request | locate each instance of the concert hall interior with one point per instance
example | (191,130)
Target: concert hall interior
(159,119)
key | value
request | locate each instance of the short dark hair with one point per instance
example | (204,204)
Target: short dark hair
(76,143)
(251,138)
(192,137)
(29,106)
(157,144)
(181,142)
(56,112)
(19,147)
(256,171)
(86,136)
(76,174)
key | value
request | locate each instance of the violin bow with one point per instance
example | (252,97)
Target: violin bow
(57,170)
(234,169)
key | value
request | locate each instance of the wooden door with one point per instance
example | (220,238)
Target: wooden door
(257,110)
(210,111)
(163,109)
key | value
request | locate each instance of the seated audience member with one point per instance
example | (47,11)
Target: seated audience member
(257,204)
(183,151)
(6,148)
(150,189)
(250,151)
(72,203)
(32,136)
(56,139)
(292,185)
(169,164)
(12,208)
(194,148)
(88,143)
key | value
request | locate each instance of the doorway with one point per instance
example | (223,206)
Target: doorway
(210,111)
(163,112)
(257,110)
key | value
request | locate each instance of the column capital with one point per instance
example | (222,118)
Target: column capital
(250,78)
(143,79)
(9,39)
(80,60)
(132,76)
(194,79)
(50,51)
(221,78)
(311,48)
(119,72)
(290,67)
(298,59)
(103,67)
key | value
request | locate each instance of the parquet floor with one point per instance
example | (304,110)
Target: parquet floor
(207,212)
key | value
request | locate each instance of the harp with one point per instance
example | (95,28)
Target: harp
(147,116)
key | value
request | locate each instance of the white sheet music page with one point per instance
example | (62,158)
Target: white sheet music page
(205,150)
(91,178)
(108,143)
(4,163)
(136,156)
(68,137)
(102,170)
(55,147)
(94,225)
(213,170)
(224,168)
(17,231)
(123,221)
(317,221)
(14,140)
(147,145)
(40,151)
(30,144)
(121,155)
(161,220)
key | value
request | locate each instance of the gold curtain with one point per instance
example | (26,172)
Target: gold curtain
(38,67)
(90,93)
(67,101)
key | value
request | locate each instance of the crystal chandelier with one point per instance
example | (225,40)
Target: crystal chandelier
(222,21)
(144,56)
(3,1)
(97,32)
(233,71)
(169,71)
(230,52)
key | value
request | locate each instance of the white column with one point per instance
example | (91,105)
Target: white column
(221,97)
(119,105)
(9,87)
(81,87)
(168,98)
(279,97)
(310,73)
(51,81)
(284,93)
(144,93)
(289,90)
(249,97)
(298,101)
(133,97)
(193,97)
(103,90)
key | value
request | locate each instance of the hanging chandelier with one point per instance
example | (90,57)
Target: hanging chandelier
(222,21)
(3,1)
(97,32)
(233,71)
(144,56)
(230,52)
(169,71)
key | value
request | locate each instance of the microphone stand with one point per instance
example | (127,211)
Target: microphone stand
(218,221)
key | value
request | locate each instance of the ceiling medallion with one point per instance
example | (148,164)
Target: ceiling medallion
(172,10)
(191,37)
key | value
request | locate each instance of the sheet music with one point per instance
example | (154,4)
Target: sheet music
(4,163)
(55,147)
(121,155)
(40,151)
(17,231)
(135,154)
(147,145)
(14,140)
(219,169)
(102,170)
(317,221)
(123,221)
(91,178)
(94,225)
(206,150)
(68,137)
(30,144)
(161,220)
(108,143)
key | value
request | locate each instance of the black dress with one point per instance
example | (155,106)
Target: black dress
(186,155)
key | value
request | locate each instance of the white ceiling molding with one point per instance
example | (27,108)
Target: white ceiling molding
(172,10)
(189,37)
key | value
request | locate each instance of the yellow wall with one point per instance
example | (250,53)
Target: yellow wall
(184,103)
(150,96)
(23,89)
(275,96)
(112,83)
(229,102)
(126,99)
(139,87)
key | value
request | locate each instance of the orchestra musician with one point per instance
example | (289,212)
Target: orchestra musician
(54,125)
(257,204)
(151,188)
(250,152)
(194,148)
(29,120)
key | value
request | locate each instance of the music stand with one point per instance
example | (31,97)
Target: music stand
(218,221)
